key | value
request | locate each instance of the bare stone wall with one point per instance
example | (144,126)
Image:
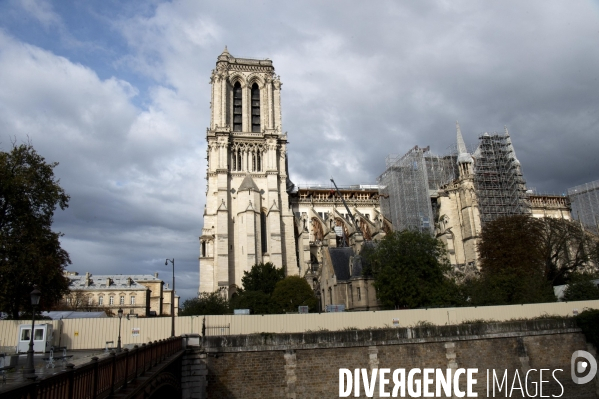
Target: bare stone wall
(278,369)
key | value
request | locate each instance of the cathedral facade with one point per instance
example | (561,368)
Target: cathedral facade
(247,217)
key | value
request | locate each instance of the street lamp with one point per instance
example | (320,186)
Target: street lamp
(118,342)
(35,301)
(172,297)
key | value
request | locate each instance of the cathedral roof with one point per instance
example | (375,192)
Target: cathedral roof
(340,258)
(248,184)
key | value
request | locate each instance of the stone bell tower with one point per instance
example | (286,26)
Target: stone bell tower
(247,218)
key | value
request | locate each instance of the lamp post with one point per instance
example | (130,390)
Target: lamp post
(118,342)
(172,297)
(35,301)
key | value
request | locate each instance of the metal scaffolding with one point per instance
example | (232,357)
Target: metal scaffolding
(585,205)
(498,180)
(405,187)
(440,170)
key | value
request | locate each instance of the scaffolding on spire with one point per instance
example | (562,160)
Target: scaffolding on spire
(585,205)
(498,179)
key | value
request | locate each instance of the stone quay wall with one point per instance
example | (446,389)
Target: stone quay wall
(306,365)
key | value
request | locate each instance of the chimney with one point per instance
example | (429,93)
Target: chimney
(108,281)
(129,281)
(87,279)
(156,275)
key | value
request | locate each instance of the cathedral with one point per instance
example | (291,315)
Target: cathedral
(247,217)
(254,213)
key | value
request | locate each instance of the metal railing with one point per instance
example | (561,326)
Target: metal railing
(99,378)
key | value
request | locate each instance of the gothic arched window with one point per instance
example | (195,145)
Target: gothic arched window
(259,161)
(237,107)
(263,231)
(255,108)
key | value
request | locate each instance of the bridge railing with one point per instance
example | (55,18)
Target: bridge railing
(98,379)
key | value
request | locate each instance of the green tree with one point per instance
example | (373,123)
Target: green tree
(30,252)
(258,286)
(581,288)
(411,269)
(257,301)
(513,252)
(262,277)
(588,321)
(208,303)
(566,249)
(291,292)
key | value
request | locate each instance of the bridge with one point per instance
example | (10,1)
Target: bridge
(151,370)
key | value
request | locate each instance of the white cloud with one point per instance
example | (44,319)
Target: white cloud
(131,174)
(42,11)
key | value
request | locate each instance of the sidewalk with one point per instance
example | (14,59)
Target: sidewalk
(80,357)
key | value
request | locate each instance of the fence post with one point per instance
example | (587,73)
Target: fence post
(151,349)
(136,362)
(144,350)
(95,381)
(113,373)
(126,367)
(71,371)
(157,352)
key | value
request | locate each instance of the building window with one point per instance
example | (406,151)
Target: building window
(255,108)
(359,294)
(264,236)
(237,107)
(132,300)
(351,293)
(90,300)
(203,249)
(111,300)
(101,300)
(122,300)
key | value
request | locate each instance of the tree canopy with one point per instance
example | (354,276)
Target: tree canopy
(208,303)
(581,288)
(523,245)
(262,277)
(523,257)
(30,252)
(294,291)
(512,264)
(566,249)
(258,285)
(411,270)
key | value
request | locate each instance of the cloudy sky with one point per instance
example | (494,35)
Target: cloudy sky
(118,94)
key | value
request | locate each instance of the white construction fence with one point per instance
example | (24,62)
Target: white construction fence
(94,333)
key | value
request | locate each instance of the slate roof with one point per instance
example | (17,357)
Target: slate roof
(340,259)
(57,315)
(119,282)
